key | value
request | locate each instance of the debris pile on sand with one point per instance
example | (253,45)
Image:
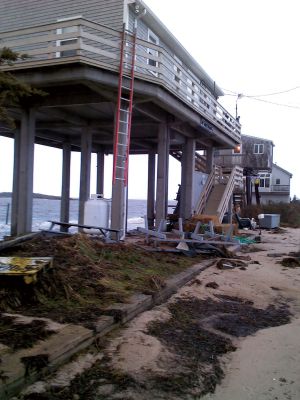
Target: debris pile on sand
(87,276)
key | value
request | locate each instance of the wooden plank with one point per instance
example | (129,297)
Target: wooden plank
(99,39)
(195,241)
(41,39)
(98,51)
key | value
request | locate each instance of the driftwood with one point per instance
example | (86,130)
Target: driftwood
(229,263)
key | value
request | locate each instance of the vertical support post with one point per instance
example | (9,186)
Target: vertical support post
(15,191)
(187,178)
(7,213)
(151,188)
(65,185)
(209,160)
(21,220)
(100,172)
(162,173)
(119,188)
(248,188)
(85,171)
(230,208)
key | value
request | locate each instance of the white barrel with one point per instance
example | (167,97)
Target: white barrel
(96,212)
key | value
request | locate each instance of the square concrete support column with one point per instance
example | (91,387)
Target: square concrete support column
(187,178)
(21,219)
(119,186)
(65,185)
(85,171)
(209,159)
(151,188)
(163,149)
(100,172)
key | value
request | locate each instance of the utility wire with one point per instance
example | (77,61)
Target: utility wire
(275,93)
(232,93)
(252,97)
(275,104)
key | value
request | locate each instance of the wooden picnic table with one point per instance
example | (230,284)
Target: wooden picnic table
(104,231)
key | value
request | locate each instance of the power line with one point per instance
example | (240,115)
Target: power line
(252,97)
(233,93)
(275,93)
(275,104)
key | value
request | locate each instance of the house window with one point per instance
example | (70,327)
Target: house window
(258,148)
(264,180)
(237,149)
(152,38)
(67,42)
(177,76)
(277,182)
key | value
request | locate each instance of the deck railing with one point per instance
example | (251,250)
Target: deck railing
(80,40)
(229,160)
(280,188)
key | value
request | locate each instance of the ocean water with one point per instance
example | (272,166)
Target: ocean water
(46,209)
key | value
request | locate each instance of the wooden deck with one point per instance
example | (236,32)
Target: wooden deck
(83,41)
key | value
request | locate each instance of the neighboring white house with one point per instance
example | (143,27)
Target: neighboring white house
(274,186)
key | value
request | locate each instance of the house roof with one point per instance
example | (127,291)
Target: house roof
(282,170)
(170,40)
(258,138)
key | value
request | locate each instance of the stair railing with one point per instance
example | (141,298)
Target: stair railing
(235,180)
(212,179)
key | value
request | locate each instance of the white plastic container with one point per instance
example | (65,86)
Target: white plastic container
(96,212)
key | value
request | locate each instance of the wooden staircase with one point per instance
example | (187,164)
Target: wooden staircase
(217,192)
(214,199)
(219,187)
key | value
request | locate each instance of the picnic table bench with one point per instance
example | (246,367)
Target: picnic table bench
(104,231)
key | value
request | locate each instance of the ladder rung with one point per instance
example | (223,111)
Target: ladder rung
(120,167)
(124,98)
(120,179)
(122,133)
(127,111)
(122,144)
(124,122)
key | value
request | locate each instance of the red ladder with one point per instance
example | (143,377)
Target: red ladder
(124,107)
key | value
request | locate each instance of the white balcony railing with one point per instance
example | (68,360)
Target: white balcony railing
(79,40)
(280,188)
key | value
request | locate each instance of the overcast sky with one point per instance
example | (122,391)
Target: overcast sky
(247,47)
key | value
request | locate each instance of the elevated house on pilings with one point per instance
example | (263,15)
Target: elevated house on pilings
(118,82)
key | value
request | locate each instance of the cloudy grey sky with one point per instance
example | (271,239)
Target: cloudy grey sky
(247,47)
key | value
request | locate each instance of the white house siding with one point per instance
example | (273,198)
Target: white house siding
(271,197)
(188,85)
(15,14)
(142,33)
(276,193)
(278,173)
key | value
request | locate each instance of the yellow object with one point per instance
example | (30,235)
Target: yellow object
(26,267)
